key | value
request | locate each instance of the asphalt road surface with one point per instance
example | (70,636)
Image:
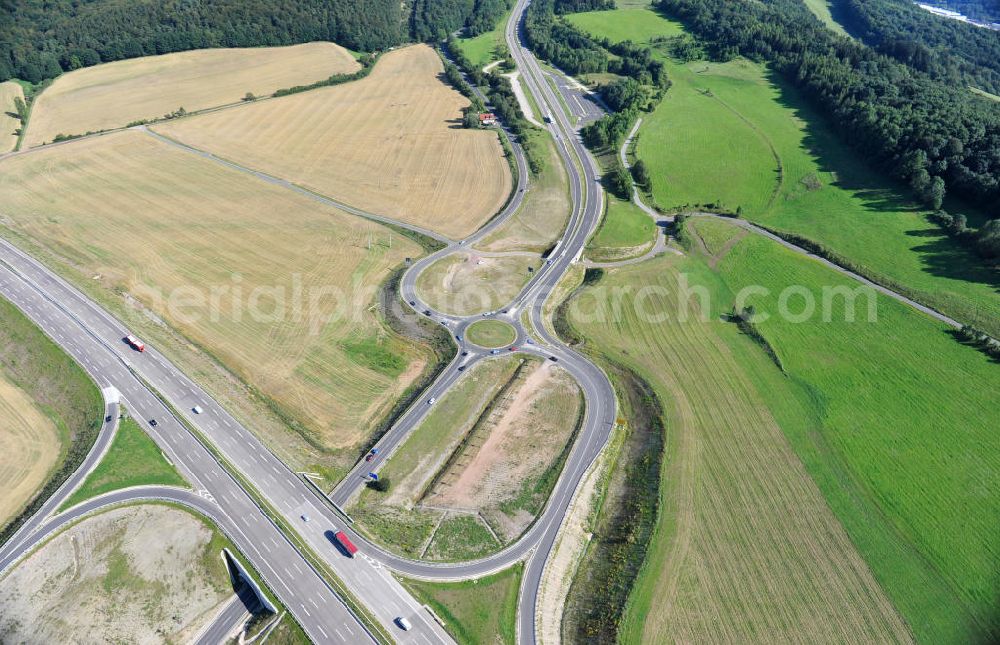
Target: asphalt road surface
(232,471)
(94,339)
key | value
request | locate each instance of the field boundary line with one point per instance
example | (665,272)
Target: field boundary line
(288,184)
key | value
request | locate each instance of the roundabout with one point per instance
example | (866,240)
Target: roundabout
(491,334)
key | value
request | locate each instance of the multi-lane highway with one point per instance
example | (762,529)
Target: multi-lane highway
(587,200)
(223,459)
(94,341)
(241,485)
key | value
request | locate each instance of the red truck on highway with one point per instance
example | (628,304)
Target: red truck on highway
(135,343)
(345,543)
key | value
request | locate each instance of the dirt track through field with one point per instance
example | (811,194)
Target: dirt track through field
(391,143)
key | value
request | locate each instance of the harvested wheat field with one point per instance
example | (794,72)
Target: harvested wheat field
(279,287)
(113,95)
(29,449)
(8,124)
(139,574)
(391,143)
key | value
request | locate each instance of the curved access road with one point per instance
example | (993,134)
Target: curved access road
(537,543)
(146,382)
(104,437)
(250,484)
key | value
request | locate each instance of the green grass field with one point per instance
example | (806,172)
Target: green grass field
(625,231)
(637,24)
(475,611)
(479,49)
(133,459)
(735,136)
(821,9)
(490,333)
(984,94)
(908,412)
(892,428)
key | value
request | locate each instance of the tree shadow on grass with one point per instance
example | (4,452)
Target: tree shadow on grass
(945,257)
(941,255)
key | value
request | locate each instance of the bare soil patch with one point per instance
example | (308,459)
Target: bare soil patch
(512,448)
(140,574)
(469,283)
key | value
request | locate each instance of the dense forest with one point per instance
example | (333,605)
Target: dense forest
(40,39)
(937,136)
(437,19)
(47,37)
(573,6)
(949,50)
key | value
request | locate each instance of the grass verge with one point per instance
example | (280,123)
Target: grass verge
(626,231)
(475,611)
(625,521)
(133,459)
(60,388)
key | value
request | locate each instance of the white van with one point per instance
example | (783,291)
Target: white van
(197,409)
(403,624)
